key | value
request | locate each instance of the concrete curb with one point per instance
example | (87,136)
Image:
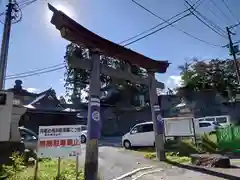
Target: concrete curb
(133,172)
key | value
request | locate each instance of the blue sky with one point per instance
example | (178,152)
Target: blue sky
(35,43)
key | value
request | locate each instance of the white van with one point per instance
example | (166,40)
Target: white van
(222,120)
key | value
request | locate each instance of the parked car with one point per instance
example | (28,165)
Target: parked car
(207,127)
(223,120)
(29,138)
(140,135)
(143,134)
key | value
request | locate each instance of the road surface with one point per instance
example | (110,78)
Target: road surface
(115,161)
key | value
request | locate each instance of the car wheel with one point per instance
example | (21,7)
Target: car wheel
(127,144)
(83,139)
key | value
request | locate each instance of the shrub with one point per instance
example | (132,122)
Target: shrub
(47,170)
(186,148)
(208,145)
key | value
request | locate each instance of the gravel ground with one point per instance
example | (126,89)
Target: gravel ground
(115,161)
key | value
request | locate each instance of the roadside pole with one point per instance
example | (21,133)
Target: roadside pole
(232,50)
(156,118)
(94,121)
(5,44)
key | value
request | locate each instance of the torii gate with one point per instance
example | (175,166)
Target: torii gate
(74,32)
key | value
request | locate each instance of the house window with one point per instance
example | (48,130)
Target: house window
(141,100)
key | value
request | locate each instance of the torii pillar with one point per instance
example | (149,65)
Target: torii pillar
(94,120)
(158,123)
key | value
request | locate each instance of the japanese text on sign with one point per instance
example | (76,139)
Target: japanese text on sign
(59,141)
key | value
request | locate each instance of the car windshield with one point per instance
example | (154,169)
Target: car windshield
(221,120)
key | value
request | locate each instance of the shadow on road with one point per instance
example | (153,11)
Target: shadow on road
(205,171)
(110,142)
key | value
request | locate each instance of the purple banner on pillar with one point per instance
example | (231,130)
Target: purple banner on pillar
(160,123)
(95,131)
(159,120)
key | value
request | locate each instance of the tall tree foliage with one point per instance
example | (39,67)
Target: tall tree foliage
(76,79)
(218,75)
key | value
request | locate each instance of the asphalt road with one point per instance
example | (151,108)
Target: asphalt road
(115,161)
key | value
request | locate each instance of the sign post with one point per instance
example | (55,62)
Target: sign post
(59,142)
(77,166)
(59,168)
(36,169)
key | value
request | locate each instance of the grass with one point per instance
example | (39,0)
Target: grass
(47,170)
(171,156)
(182,150)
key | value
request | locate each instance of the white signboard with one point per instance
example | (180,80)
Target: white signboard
(179,126)
(59,141)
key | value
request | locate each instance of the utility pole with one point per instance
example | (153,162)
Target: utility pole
(5,44)
(232,50)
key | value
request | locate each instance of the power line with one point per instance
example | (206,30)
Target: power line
(26,3)
(37,73)
(204,21)
(154,27)
(183,31)
(34,71)
(229,10)
(220,10)
(213,12)
(210,22)
(143,37)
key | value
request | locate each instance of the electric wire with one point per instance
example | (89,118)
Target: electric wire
(220,10)
(33,73)
(230,10)
(211,23)
(179,29)
(152,28)
(36,72)
(143,37)
(214,13)
(210,27)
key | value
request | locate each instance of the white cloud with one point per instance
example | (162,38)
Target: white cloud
(62,81)
(173,82)
(33,90)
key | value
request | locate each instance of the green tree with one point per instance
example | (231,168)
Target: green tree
(76,80)
(218,75)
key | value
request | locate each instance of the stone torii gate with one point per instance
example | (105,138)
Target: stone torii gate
(74,32)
